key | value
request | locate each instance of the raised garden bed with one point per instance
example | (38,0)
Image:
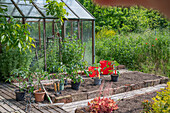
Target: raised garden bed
(131,105)
(127,82)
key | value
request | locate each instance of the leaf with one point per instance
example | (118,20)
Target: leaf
(18,25)
(19,45)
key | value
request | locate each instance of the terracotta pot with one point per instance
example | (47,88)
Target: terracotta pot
(39,96)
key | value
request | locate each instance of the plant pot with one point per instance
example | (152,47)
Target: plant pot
(65,82)
(61,86)
(20,95)
(114,78)
(39,96)
(97,81)
(75,86)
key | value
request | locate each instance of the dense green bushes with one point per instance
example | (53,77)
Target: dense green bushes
(148,51)
(13,59)
(120,19)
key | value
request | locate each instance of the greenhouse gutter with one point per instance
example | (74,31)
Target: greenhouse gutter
(48,18)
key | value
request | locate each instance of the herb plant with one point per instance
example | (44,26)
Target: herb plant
(23,76)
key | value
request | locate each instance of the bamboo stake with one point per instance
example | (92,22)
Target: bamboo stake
(40,105)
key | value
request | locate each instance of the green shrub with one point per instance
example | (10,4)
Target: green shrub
(122,19)
(160,104)
(148,51)
(13,59)
(53,56)
(72,51)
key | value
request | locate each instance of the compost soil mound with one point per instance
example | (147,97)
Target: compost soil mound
(88,84)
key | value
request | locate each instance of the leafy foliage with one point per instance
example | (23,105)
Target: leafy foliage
(20,75)
(13,34)
(160,104)
(125,19)
(146,51)
(13,59)
(39,75)
(56,9)
(102,105)
(53,56)
(72,57)
(162,101)
(72,51)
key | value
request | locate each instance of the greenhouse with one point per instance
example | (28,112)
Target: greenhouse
(78,23)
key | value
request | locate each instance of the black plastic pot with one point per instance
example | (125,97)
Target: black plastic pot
(65,82)
(75,86)
(97,81)
(114,78)
(20,95)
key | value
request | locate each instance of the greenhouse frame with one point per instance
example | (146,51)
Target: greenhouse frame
(78,22)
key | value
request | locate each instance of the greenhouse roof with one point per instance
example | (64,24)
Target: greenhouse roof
(25,9)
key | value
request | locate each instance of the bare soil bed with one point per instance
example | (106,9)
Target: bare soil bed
(134,105)
(127,82)
(131,105)
(125,79)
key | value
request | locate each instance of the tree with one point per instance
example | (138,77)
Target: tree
(13,34)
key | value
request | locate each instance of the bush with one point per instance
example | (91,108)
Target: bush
(160,104)
(13,59)
(122,19)
(146,51)
(53,56)
(72,51)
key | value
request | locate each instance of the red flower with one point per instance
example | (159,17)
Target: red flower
(156,39)
(152,45)
(146,43)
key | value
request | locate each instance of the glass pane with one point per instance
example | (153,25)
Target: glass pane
(10,8)
(31,19)
(41,3)
(68,27)
(34,32)
(87,39)
(70,14)
(35,13)
(49,30)
(78,9)
(24,2)
(27,7)
(6,1)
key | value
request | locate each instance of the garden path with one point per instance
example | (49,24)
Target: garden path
(71,107)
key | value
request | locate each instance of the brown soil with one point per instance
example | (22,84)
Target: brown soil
(88,84)
(131,105)
(134,105)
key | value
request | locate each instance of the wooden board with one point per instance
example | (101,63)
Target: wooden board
(7,94)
